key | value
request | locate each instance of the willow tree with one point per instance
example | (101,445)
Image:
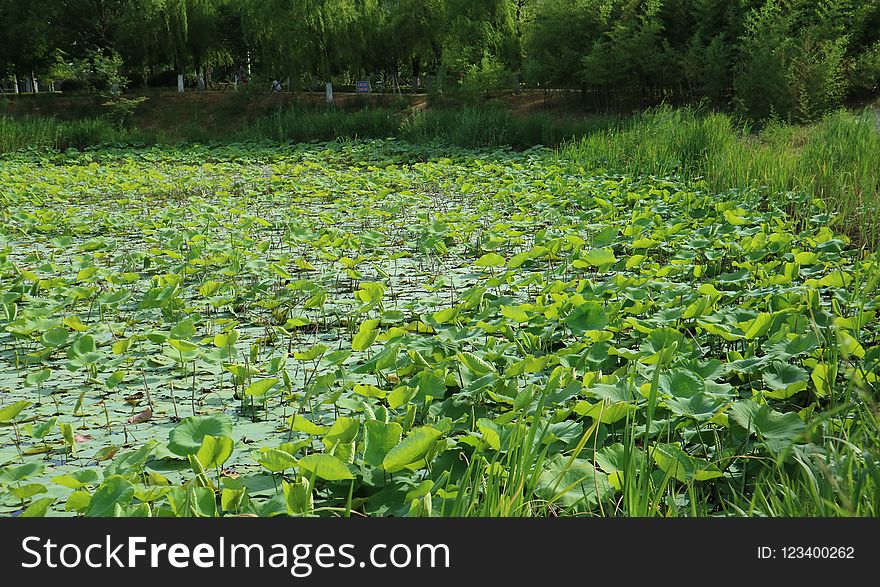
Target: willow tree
(324,38)
(406,32)
(477,30)
(142,38)
(195,35)
(436,34)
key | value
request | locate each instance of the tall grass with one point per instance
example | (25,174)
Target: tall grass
(840,478)
(17,134)
(461,127)
(303,124)
(833,165)
(836,475)
(487,127)
(474,127)
(46,132)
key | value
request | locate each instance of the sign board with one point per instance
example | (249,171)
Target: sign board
(363,87)
(179,82)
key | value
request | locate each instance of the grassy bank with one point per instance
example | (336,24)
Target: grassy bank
(833,165)
(462,127)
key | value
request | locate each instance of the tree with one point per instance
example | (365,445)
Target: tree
(600,43)
(476,32)
(317,37)
(405,32)
(794,58)
(791,58)
(27,38)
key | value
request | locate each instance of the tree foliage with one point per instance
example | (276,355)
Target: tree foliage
(794,59)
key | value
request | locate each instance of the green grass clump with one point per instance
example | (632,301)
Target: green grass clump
(35,132)
(477,127)
(833,165)
(17,134)
(468,126)
(300,124)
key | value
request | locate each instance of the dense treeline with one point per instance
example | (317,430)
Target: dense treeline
(795,59)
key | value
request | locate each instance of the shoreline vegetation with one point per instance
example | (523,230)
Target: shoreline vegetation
(833,164)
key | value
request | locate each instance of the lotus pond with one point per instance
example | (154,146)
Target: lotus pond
(378,329)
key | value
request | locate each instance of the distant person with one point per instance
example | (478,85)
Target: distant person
(240,77)
(276,86)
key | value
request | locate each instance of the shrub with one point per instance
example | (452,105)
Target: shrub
(121,110)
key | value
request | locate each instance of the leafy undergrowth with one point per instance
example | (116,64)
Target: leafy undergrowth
(379,329)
